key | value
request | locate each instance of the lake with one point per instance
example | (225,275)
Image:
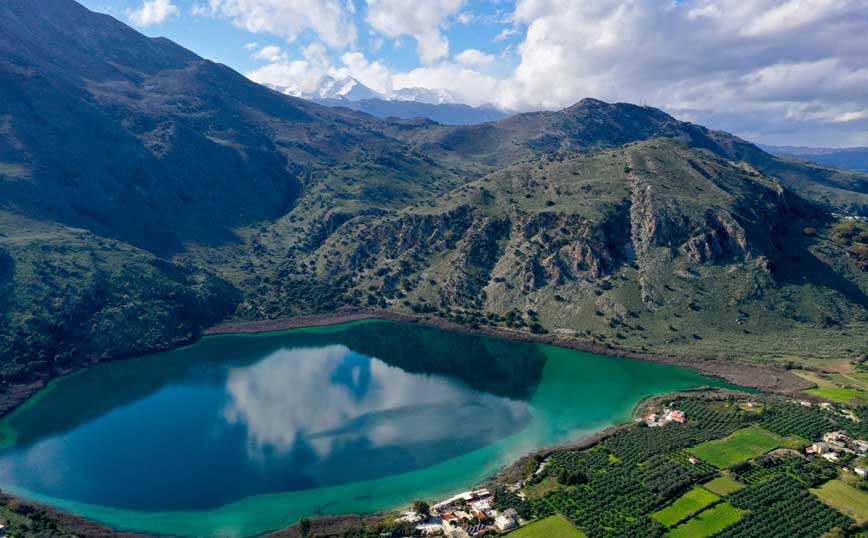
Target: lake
(240,434)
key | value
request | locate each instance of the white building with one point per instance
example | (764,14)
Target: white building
(504,523)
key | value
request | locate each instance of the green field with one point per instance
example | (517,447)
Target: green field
(842,395)
(844,498)
(539,490)
(739,446)
(708,522)
(685,506)
(550,527)
(723,485)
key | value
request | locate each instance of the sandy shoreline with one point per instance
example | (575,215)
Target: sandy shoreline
(744,375)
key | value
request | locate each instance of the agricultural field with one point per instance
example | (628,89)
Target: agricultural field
(723,485)
(692,502)
(844,387)
(550,527)
(738,447)
(782,506)
(708,522)
(842,395)
(640,481)
(844,498)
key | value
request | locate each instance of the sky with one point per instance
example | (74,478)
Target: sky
(786,72)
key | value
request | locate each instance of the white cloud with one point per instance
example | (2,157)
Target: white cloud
(271,53)
(330,20)
(474,57)
(505,33)
(852,116)
(199,10)
(253,45)
(153,12)
(777,70)
(765,66)
(422,20)
(467,85)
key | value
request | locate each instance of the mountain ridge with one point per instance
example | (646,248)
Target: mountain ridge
(147,194)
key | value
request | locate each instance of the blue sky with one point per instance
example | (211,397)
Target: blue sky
(773,71)
(219,39)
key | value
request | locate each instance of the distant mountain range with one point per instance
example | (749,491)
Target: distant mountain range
(147,193)
(406,103)
(847,158)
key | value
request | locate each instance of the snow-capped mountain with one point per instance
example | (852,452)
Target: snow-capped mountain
(435,104)
(344,88)
(431,96)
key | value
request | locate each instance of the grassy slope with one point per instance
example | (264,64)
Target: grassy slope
(291,208)
(550,527)
(708,522)
(497,247)
(685,506)
(740,446)
(723,485)
(844,498)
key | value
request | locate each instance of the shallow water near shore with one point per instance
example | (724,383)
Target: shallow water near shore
(240,434)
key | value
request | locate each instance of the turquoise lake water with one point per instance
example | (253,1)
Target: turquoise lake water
(241,434)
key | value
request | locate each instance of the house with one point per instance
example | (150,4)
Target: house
(504,523)
(2,531)
(819,448)
(482,505)
(831,456)
(677,416)
(861,472)
(826,406)
(805,403)
(835,437)
(694,460)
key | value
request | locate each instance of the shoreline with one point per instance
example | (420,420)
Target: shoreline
(764,378)
(750,376)
(746,375)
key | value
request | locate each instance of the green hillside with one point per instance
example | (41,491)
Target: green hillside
(147,194)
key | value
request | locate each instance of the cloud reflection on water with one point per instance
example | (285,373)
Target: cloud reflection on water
(330,397)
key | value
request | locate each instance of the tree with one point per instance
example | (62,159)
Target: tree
(422,508)
(304,527)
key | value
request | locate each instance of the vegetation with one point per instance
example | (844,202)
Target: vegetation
(845,498)
(614,224)
(550,527)
(740,446)
(707,522)
(641,481)
(723,485)
(782,507)
(686,506)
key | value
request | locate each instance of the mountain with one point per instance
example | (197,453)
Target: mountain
(847,158)
(330,88)
(117,153)
(431,96)
(147,193)
(446,114)
(405,103)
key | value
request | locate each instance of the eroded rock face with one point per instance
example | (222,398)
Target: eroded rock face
(721,238)
(394,236)
(479,251)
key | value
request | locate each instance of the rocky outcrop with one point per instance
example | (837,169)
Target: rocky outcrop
(477,256)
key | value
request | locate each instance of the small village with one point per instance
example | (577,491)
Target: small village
(473,513)
(470,513)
